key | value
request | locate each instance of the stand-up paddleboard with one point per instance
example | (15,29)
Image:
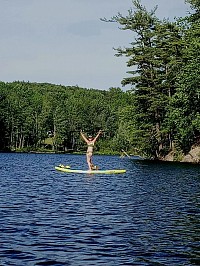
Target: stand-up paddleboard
(69,170)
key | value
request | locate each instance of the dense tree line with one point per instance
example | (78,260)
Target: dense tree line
(161,113)
(163,58)
(32,113)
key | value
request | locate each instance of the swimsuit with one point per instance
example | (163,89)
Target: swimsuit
(90,147)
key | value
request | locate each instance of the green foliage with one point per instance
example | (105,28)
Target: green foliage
(164,74)
(161,113)
(42,116)
(154,59)
(185,105)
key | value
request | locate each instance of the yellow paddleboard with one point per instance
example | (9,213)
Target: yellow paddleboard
(69,170)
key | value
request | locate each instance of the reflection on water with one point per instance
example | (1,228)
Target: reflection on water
(148,216)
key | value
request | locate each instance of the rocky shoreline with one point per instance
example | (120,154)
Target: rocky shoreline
(193,156)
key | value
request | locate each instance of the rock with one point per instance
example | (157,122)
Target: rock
(193,156)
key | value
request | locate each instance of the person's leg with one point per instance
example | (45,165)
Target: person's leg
(89,160)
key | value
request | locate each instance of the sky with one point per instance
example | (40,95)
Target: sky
(65,42)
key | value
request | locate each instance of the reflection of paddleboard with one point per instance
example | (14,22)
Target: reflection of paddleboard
(69,170)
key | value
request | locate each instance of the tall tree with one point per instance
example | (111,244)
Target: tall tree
(184,115)
(154,58)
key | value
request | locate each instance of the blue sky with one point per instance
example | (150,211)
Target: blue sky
(65,42)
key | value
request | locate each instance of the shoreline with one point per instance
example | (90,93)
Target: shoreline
(193,157)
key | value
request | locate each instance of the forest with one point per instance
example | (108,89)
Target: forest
(160,114)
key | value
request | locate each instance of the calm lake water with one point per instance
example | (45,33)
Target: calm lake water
(148,216)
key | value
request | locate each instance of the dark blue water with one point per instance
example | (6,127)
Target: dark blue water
(148,216)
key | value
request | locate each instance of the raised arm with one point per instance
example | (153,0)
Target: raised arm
(98,134)
(84,137)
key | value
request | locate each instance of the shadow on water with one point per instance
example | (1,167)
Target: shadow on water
(148,216)
(164,166)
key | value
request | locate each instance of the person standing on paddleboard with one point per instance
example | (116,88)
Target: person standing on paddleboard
(90,143)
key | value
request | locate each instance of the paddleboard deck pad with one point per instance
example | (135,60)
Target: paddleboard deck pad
(69,170)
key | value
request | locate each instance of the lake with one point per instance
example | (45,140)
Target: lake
(148,216)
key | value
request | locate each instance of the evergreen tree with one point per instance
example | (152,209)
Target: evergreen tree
(154,59)
(184,115)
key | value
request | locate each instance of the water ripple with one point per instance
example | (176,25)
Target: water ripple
(149,216)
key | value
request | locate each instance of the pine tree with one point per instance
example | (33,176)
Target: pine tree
(154,59)
(184,115)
